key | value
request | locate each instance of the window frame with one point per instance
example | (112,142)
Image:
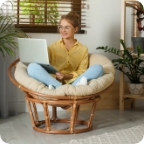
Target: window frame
(29,28)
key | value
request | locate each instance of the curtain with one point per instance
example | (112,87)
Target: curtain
(8,91)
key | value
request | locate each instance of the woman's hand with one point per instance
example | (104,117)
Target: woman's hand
(61,76)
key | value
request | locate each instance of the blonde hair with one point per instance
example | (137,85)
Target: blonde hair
(73,18)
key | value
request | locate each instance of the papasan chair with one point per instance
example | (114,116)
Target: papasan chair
(65,96)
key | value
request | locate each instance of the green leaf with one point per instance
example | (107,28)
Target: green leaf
(8,32)
(139,51)
(134,64)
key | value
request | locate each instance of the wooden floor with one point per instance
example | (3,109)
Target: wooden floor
(18,129)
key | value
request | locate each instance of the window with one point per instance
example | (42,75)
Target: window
(42,16)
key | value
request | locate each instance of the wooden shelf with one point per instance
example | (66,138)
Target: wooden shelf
(135,54)
(134,96)
(122,95)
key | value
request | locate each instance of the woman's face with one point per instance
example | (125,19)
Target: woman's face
(66,29)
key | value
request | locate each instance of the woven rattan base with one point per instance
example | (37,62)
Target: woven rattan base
(45,125)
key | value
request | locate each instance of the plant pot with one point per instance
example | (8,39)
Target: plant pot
(136,89)
(138,41)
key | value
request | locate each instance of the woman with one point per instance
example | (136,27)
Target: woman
(68,56)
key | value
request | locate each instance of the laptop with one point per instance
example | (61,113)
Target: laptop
(34,50)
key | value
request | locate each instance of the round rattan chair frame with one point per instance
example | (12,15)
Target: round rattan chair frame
(56,101)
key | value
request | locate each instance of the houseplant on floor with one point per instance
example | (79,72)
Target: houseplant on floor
(139,12)
(8,33)
(133,66)
(8,45)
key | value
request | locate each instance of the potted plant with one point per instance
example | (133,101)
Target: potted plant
(139,8)
(8,45)
(133,66)
(8,32)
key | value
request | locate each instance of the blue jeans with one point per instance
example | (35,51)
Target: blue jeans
(38,72)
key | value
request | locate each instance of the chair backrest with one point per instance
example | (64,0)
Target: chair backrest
(102,60)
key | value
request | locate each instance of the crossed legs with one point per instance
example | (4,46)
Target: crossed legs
(38,72)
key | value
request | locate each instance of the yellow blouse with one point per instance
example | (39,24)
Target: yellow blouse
(73,61)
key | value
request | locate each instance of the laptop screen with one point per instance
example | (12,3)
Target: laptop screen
(33,50)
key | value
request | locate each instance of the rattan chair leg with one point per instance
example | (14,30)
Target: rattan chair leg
(92,114)
(54,113)
(77,112)
(31,113)
(73,114)
(47,117)
(35,113)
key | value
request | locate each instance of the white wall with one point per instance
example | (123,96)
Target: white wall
(103,21)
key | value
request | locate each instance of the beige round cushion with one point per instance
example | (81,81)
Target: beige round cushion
(94,86)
